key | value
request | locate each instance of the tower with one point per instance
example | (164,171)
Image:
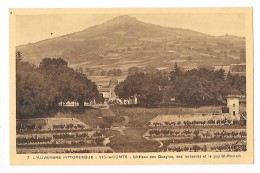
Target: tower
(233,104)
(112,84)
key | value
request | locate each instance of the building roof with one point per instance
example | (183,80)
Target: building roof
(103,89)
(233,96)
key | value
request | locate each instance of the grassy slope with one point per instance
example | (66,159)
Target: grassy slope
(138,116)
(89,116)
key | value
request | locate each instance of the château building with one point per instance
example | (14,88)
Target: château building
(108,92)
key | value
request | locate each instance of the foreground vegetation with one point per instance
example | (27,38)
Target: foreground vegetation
(195,87)
(40,90)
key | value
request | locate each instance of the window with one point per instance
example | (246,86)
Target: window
(234,105)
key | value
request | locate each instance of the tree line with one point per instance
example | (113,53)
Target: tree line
(194,87)
(40,90)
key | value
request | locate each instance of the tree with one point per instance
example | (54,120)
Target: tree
(236,84)
(18,56)
(147,87)
(176,73)
(115,72)
(103,73)
(221,73)
(203,86)
(152,96)
(176,79)
(32,91)
(40,89)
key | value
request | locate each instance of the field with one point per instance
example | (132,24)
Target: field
(58,135)
(133,129)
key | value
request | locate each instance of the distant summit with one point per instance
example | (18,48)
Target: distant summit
(124,42)
(123,19)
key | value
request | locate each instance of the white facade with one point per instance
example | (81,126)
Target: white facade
(69,104)
(130,101)
(233,105)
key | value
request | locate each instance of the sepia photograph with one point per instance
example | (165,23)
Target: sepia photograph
(114,82)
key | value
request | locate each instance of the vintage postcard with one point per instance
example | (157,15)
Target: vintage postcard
(131,86)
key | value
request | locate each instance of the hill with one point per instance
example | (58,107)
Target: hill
(125,42)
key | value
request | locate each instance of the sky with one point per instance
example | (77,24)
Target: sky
(34,28)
